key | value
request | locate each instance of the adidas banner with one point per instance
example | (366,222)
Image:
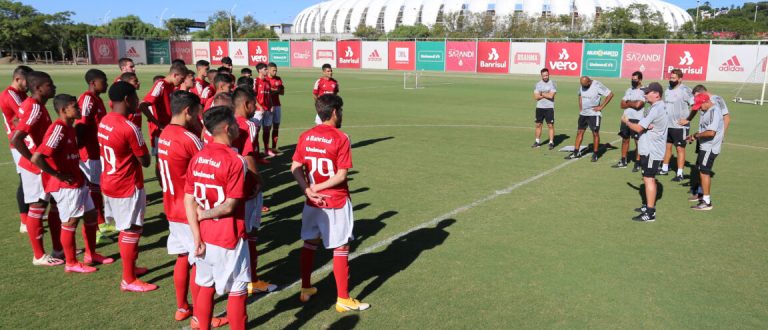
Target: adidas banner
(324,52)
(182,50)
(133,49)
(733,63)
(692,59)
(564,58)
(238,51)
(349,54)
(646,58)
(374,55)
(527,57)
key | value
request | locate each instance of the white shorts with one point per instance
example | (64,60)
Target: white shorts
(227,270)
(16,157)
(153,152)
(180,240)
(253,212)
(333,226)
(317,120)
(277,114)
(32,185)
(126,211)
(91,168)
(73,202)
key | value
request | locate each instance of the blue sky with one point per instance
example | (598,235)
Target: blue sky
(278,11)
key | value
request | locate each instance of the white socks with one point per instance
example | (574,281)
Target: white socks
(707,199)
(679,172)
(665,167)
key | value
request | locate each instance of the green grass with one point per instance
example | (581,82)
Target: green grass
(555,252)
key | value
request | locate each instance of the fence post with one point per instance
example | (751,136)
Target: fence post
(664,59)
(88,43)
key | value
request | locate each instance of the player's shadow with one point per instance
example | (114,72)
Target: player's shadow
(345,323)
(601,149)
(374,269)
(559,138)
(641,191)
(368,142)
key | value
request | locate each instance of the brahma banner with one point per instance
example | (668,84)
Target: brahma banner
(564,58)
(602,60)
(182,50)
(258,52)
(375,55)
(201,51)
(733,63)
(219,49)
(527,57)
(238,51)
(133,49)
(646,58)
(104,51)
(461,56)
(301,54)
(430,55)
(692,59)
(324,52)
(493,57)
(280,53)
(349,54)
(402,55)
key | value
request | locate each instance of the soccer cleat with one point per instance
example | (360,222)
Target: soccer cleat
(216,322)
(536,145)
(137,286)
(677,178)
(642,209)
(307,293)
(594,158)
(663,172)
(22,228)
(645,217)
(102,237)
(79,268)
(261,286)
(551,146)
(264,209)
(97,259)
(350,304)
(636,168)
(573,155)
(620,164)
(47,260)
(107,228)
(694,198)
(271,153)
(702,206)
(183,314)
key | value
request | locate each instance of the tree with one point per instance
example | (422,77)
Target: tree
(251,28)
(367,32)
(131,26)
(634,21)
(218,25)
(178,27)
(409,32)
(22,27)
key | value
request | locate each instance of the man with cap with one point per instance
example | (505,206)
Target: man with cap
(710,138)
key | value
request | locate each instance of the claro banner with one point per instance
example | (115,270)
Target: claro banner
(375,55)
(646,58)
(301,54)
(733,63)
(527,57)
(349,54)
(492,57)
(564,58)
(104,51)
(219,49)
(692,59)
(182,50)
(324,52)
(402,55)
(133,49)
(201,51)
(461,56)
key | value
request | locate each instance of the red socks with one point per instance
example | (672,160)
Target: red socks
(341,271)
(128,242)
(23,217)
(35,230)
(236,313)
(89,237)
(68,243)
(306,258)
(193,287)
(254,253)
(54,225)
(181,281)
(204,307)
(98,201)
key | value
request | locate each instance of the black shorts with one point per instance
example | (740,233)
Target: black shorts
(677,136)
(593,122)
(650,168)
(627,133)
(705,161)
(543,114)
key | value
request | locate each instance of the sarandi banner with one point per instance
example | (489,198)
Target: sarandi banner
(104,51)
(527,57)
(258,52)
(564,58)
(692,59)
(460,56)
(219,49)
(182,50)
(402,55)
(493,57)
(646,58)
(349,54)
(301,54)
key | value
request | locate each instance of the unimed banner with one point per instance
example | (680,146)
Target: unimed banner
(158,52)
(219,49)
(527,57)
(104,51)
(301,54)
(692,59)
(182,50)
(258,52)
(133,49)
(646,58)
(733,63)
(602,60)
(349,54)
(461,56)
(430,55)
(238,51)
(492,57)
(375,55)
(280,53)
(402,55)
(324,52)
(201,51)
(564,58)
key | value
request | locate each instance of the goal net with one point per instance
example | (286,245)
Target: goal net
(753,90)
(413,80)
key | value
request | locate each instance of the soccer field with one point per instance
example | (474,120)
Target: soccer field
(459,223)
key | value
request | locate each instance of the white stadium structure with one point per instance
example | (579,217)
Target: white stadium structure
(344,16)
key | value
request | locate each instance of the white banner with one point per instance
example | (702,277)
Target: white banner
(762,60)
(238,52)
(732,63)
(201,51)
(133,49)
(323,52)
(375,55)
(527,57)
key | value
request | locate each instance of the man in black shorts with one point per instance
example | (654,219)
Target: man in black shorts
(590,113)
(544,94)
(632,103)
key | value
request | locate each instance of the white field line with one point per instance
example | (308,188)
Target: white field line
(745,146)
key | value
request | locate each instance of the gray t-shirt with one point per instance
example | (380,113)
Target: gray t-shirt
(633,94)
(653,142)
(716,99)
(545,87)
(678,102)
(712,120)
(590,98)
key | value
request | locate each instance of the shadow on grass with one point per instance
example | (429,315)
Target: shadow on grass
(641,191)
(560,138)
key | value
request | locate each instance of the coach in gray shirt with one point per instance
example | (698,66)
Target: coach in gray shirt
(593,97)
(678,98)
(544,94)
(710,137)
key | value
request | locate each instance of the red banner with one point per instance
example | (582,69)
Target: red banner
(493,57)
(258,52)
(104,51)
(564,58)
(301,54)
(646,58)
(219,49)
(692,59)
(348,54)
(182,50)
(402,55)
(461,56)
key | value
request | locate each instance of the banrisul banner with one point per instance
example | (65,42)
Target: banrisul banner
(375,55)
(527,57)
(691,59)
(158,52)
(349,54)
(493,57)
(280,53)
(219,50)
(430,55)
(602,60)
(461,56)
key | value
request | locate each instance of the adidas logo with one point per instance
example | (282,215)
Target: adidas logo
(731,65)
(564,55)
(239,52)
(132,52)
(493,55)
(374,56)
(686,59)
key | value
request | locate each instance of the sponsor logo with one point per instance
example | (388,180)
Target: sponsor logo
(324,54)
(601,53)
(258,50)
(105,50)
(239,54)
(460,54)
(527,58)
(182,50)
(280,57)
(731,65)
(374,56)
(493,55)
(219,51)
(564,55)
(278,49)
(401,55)
(201,52)
(349,53)
(563,64)
(686,59)
(348,57)
(430,56)
(641,57)
(688,70)
(302,55)
(132,52)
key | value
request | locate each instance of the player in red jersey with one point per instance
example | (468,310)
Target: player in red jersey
(215,190)
(325,85)
(222,83)
(59,160)
(320,164)
(125,65)
(263,115)
(10,101)
(188,83)
(277,87)
(132,79)
(123,153)
(202,88)
(159,99)
(33,123)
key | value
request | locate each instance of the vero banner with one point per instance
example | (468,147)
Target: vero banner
(158,52)
(349,54)
(430,55)
(564,58)
(280,53)
(692,59)
(461,56)
(258,52)
(602,60)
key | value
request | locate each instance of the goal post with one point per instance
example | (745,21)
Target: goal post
(753,90)
(412,80)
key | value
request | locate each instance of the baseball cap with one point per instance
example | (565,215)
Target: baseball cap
(699,99)
(654,87)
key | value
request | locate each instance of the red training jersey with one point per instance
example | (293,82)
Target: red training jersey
(176,147)
(216,173)
(121,142)
(33,120)
(60,146)
(203,90)
(326,86)
(160,99)
(276,84)
(323,150)
(92,110)
(10,101)
(247,141)
(263,92)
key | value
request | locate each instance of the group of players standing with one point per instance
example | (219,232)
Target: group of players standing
(657,130)
(87,164)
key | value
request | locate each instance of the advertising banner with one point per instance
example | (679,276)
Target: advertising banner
(158,52)
(182,50)
(201,51)
(402,55)
(493,57)
(564,58)
(646,58)
(375,55)
(324,52)
(301,54)
(280,53)
(238,51)
(349,54)
(527,57)
(461,56)
(602,60)
(133,49)
(219,49)
(430,55)
(258,52)
(104,51)
(733,63)
(692,59)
